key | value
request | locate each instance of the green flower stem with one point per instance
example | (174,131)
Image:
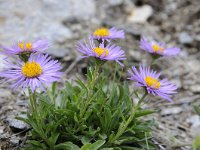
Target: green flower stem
(143,97)
(124,125)
(33,103)
(154,57)
(115,72)
(95,76)
(24,56)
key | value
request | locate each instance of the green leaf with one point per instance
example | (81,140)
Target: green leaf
(197,109)
(196,143)
(66,146)
(141,113)
(85,140)
(53,138)
(23,119)
(94,146)
(80,83)
(33,144)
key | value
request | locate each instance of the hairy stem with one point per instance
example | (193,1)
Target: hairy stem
(95,76)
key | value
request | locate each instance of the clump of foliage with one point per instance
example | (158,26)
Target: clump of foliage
(88,116)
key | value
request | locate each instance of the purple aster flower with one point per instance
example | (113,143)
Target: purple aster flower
(158,48)
(37,71)
(26,47)
(107,34)
(149,79)
(109,52)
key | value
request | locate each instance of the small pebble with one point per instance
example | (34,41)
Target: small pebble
(171,111)
(185,38)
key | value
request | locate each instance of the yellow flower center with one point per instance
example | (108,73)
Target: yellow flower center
(152,82)
(31,69)
(100,51)
(101,32)
(21,45)
(25,46)
(157,48)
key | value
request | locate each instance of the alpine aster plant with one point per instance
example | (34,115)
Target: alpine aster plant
(149,79)
(158,48)
(35,73)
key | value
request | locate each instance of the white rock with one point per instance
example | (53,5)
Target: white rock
(140,14)
(195,88)
(194,120)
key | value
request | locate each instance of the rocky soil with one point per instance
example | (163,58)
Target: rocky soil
(64,22)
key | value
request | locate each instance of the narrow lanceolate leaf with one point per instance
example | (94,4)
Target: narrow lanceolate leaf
(66,146)
(94,146)
(141,113)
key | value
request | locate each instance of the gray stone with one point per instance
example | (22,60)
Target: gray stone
(2,65)
(14,140)
(62,9)
(22,103)
(58,51)
(55,32)
(1,130)
(171,111)
(115,2)
(29,19)
(193,65)
(177,82)
(5,93)
(197,37)
(17,125)
(185,38)
(4,136)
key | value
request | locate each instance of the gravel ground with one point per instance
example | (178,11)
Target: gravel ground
(64,22)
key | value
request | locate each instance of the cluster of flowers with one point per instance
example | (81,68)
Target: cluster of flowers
(144,77)
(33,68)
